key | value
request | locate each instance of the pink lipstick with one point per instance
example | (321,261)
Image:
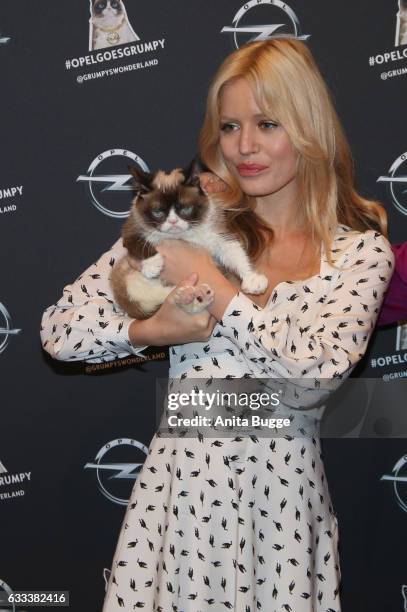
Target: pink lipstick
(250,169)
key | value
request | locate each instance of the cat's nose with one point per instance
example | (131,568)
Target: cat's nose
(173,221)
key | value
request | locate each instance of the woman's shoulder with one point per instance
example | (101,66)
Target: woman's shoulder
(372,244)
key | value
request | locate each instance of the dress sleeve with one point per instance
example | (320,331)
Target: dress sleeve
(336,332)
(86,324)
(395,301)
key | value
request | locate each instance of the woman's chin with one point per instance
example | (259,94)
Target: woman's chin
(254,190)
(252,185)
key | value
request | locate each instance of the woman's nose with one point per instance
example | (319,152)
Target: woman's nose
(247,143)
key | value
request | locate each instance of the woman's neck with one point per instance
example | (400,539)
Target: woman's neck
(281,212)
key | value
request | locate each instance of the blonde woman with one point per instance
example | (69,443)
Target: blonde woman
(246,523)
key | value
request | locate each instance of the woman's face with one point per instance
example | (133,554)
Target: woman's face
(257,151)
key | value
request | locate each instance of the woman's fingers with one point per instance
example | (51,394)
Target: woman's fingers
(190,280)
(211,183)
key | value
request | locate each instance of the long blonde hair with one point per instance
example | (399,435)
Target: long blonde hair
(287,83)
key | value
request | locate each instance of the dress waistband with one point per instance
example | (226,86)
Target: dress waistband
(235,366)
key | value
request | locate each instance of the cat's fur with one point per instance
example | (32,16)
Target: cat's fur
(109,24)
(174,206)
(401,28)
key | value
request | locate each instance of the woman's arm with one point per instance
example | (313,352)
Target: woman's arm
(85,324)
(337,336)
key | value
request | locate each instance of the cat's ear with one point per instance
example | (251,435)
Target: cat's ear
(141,179)
(192,173)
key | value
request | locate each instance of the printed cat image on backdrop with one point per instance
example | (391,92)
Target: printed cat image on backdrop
(401,340)
(401,24)
(109,25)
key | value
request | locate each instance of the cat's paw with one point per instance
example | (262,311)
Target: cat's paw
(193,299)
(151,267)
(254,283)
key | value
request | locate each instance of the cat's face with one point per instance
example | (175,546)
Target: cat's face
(107,11)
(169,203)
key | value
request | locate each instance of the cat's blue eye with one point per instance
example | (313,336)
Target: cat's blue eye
(115,4)
(100,6)
(187,210)
(228,127)
(268,125)
(158,214)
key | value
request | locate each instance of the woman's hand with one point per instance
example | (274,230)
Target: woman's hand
(171,325)
(182,259)
(210,183)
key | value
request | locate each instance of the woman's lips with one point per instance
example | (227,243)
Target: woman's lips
(250,169)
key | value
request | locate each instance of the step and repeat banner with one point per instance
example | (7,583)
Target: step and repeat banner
(87,88)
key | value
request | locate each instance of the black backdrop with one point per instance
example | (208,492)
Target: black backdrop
(59,526)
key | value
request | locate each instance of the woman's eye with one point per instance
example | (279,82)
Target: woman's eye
(268,125)
(228,127)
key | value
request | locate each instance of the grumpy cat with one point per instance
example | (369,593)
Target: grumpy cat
(401,28)
(173,206)
(109,25)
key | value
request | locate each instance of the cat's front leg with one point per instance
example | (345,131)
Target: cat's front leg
(193,299)
(152,266)
(254,283)
(234,258)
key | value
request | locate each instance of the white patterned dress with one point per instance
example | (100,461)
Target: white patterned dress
(237,523)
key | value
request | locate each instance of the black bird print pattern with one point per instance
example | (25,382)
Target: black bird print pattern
(239,523)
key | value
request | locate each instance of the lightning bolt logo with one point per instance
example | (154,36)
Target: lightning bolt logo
(117,181)
(125,470)
(116,471)
(265,31)
(6,330)
(6,591)
(393,181)
(396,478)
(4,39)
(98,184)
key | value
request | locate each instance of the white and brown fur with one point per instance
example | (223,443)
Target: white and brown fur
(174,206)
(401,28)
(109,25)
